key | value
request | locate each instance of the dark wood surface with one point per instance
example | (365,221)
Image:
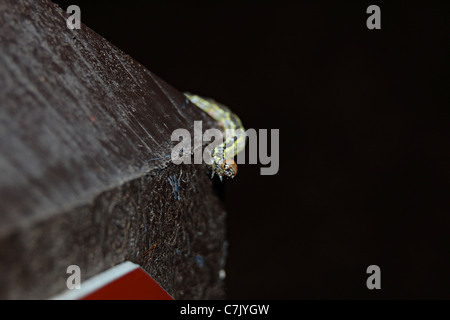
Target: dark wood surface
(85,170)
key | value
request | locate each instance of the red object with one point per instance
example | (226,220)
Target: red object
(135,285)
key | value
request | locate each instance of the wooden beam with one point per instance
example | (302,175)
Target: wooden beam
(86,176)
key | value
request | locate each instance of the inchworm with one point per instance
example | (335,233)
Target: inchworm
(223,163)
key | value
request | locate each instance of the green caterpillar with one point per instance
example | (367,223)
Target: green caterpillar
(223,163)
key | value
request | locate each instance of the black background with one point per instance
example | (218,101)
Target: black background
(364,153)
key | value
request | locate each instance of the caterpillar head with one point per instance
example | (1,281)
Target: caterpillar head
(227,168)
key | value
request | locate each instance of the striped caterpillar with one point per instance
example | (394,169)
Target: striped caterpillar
(223,163)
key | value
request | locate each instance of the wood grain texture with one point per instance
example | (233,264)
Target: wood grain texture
(85,170)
